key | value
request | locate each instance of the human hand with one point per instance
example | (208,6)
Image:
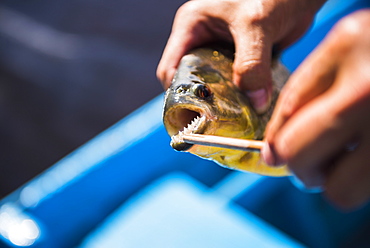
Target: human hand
(253,26)
(321,123)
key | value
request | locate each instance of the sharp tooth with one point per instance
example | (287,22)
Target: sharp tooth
(186,131)
(192,125)
(194,121)
(175,139)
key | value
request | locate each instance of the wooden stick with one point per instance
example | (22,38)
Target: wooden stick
(223,142)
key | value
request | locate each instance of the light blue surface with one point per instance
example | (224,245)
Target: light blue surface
(105,182)
(178,211)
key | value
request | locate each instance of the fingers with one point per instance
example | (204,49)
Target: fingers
(317,73)
(311,138)
(199,22)
(319,131)
(254,27)
(323,109)
(313,77)
(188,32)
(252,66)
(348,185)
(314,146)
(270,24)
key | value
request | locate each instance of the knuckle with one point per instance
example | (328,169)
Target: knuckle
(253,74)
(257,18)
(245,66)
(188,8)
(258,14)
(289,102)
(352,26)
(218,9)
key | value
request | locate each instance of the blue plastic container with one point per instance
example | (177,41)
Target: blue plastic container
(128,188)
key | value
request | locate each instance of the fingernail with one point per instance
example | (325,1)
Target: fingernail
(267,154)
(259,99)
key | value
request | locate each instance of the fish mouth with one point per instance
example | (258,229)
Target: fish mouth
(184,120)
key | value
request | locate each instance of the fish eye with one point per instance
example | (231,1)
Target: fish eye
(201,90)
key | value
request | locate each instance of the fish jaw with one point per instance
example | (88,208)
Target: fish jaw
(185,119)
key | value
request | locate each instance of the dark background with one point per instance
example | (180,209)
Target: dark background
(70,69)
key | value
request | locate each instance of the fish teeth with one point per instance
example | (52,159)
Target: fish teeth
(194,123)
(187,130)
(177,138)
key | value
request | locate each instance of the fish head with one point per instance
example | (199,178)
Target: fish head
(203,100)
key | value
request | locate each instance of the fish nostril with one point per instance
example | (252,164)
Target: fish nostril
(182,89)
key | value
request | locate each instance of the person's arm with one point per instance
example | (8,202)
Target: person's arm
(255,27)
(321,124)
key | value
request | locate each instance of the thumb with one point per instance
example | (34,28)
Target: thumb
(252,68)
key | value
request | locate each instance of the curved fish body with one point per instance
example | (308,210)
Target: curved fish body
(203,100)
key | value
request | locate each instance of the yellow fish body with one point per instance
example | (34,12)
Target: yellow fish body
(203,100)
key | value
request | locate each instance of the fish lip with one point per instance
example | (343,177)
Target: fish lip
(178,118)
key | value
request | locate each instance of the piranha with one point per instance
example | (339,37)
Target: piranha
(202,99)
